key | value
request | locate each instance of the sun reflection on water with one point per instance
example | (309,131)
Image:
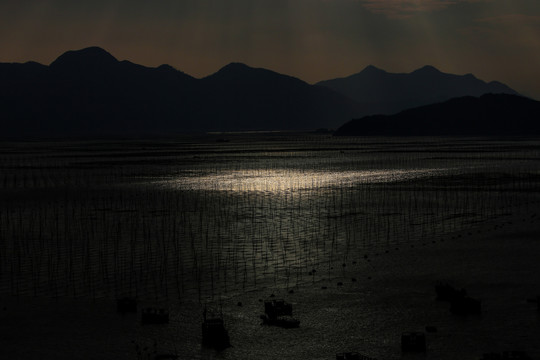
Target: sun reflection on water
(286,180)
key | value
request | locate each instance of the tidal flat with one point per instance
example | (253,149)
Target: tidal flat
(220,221)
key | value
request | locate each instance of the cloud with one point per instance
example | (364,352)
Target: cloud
(407,8)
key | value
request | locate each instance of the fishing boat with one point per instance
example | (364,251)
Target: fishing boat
(154,316)
(287,322)
(413,342)
(506,355)
(446,292)
(465,306)
(214,333)
(279,313)
(165,357)
(352,356)
(126,305)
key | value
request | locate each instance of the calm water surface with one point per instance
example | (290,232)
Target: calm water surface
(187,222)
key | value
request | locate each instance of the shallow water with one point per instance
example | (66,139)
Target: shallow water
(208,222)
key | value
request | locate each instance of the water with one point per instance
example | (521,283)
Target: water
(191,221)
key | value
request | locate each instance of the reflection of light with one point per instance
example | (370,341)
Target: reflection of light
(287,180)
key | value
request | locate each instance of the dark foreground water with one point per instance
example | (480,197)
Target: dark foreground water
(191,222)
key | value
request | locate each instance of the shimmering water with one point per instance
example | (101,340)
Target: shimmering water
(280,181)
(185,222)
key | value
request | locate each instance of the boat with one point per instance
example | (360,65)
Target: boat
(413,342)
(352,356)
(274,308)
(506,355)
(126,305)
(446,292)
(165,357)
(535,300)
(287,322)
(279,313)
(465,306)
(154,316)
(214,333)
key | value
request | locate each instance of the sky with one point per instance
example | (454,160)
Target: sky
(313,40)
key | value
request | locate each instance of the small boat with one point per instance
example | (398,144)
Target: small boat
(413,342)
(126,305)
(165,357)
(535,300)
(446,292)
(274,308)
(154,316)
(279,313)
(506,355)
(465,306)
(214,333)
(352,356)
(287,322)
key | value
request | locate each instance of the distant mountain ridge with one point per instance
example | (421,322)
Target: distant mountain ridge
(381,92)
(487,115)
(90,93)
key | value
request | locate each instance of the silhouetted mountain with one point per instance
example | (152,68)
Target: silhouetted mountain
(380,92)
(488,115)
(260,99)
(90,93)
(92,59)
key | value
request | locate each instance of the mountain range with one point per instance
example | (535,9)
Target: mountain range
(381,92)
(90,93)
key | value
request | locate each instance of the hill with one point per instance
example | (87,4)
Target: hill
(488,115)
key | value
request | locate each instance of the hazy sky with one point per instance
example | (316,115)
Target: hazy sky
(310,39)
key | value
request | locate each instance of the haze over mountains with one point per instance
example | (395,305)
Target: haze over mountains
(90,93)
(380,92)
